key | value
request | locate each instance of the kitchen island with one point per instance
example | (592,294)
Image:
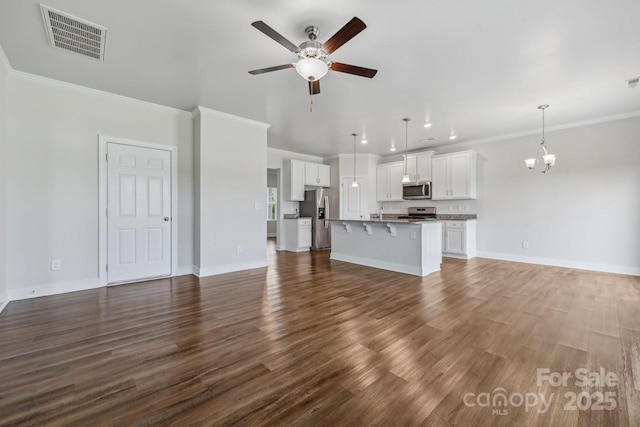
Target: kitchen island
(406,246)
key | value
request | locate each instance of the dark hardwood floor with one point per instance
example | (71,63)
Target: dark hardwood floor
(310,341)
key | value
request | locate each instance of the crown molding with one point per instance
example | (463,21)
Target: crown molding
(199,110)
(572,125)
(46,81)
(5,60)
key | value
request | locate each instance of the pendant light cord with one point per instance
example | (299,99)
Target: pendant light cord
(406,142)
(543,126)
(354,156)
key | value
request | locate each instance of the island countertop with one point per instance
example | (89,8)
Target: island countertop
(393,218)
(390,221)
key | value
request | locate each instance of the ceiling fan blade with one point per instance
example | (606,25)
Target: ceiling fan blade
(314,87)
(267,70)
(352,69)
(344,34)
(276,36)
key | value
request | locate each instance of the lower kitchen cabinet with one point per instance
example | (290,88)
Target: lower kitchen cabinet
(297,234)
(459,239)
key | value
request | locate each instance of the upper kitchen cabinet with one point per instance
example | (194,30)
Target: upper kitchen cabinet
(389,182)
(300,174)
(296,180)
(419,166)
(317,174)
(454,176)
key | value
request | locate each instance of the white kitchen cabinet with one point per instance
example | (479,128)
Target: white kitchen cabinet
(296,171)
(389,182)
(459,239)
(419,166)
(297,234)
(454,176)
(301,174)
(317,174)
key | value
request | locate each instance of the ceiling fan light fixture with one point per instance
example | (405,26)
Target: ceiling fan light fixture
(312,69)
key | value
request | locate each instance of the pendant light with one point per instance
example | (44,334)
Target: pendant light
(354,184)
(405,177)
(549,160)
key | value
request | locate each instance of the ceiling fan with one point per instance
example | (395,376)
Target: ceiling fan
(313,57)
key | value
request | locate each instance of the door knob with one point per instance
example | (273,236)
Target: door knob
(166,218)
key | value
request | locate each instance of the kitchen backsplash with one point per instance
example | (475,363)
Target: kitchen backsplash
(442,206)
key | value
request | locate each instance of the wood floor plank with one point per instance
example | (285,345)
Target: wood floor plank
(309,341)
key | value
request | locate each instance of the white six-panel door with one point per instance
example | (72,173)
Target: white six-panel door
(138,213)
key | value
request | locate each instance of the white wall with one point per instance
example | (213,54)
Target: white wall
(232,160)
(276,159)
(52,139)
(584,213)
(4,75)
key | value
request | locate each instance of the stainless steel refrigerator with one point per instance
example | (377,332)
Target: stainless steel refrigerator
(317,205)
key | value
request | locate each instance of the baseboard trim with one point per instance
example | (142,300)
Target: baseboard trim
(184,270)
(398,268)
(66,287)
(53,289)
(228,268)
(604,268)
(4,298)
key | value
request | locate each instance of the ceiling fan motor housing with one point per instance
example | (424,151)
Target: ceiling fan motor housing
(313,63)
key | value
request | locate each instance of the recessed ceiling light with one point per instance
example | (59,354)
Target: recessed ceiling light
(392,149)
(452,137)
(428,125)
(364,141)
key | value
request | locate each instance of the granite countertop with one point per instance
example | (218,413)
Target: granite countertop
(456,217)
(393,218)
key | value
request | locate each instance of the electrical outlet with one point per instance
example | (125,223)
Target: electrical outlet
(56,265)
(525,244)
(467,208)
(239,249)
(413,235)
(257,206)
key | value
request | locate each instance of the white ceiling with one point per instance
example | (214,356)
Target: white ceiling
(476,68)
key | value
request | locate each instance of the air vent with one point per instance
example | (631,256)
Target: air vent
(74,34)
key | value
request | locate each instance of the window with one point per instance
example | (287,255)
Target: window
(272,204)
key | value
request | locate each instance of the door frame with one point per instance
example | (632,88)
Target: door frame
(103,141)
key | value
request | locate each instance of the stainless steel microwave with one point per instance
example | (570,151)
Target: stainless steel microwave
(416,190)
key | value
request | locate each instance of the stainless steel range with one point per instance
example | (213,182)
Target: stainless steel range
(420,213)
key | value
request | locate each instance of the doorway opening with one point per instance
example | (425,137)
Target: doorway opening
(272,203)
